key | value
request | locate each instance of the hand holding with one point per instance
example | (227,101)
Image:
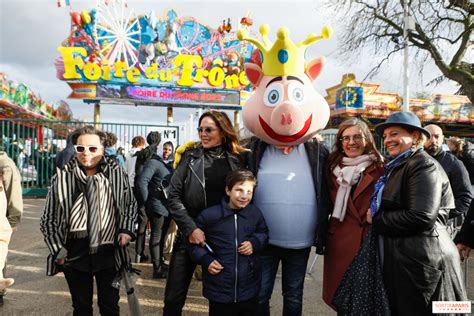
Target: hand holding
(197,237)
(246,248)
(369,217)
(215,267)
(464,251)
(124,239)
(60,261)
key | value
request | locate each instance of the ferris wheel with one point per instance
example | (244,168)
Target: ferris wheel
(118,32)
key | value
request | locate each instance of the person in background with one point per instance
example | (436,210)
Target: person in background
(151,183)
(409,211)
(153,139)
(464,150)
(235,233)
(465,238)
(168,152)
(87,223)
(121,155)
(110,151)
(169,226)
(65,155)
(454,168)
(354,165)
(138,142)
(198,183)
(11,209)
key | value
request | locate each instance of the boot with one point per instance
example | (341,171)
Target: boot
(143,257)
(160,273)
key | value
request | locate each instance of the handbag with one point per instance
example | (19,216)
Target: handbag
(362,290)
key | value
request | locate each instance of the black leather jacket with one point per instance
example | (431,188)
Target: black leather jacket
(317,154)
(187,194)
(420,262)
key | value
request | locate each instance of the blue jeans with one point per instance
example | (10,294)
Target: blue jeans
(293,263)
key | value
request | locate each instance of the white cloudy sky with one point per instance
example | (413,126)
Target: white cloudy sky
(31,31)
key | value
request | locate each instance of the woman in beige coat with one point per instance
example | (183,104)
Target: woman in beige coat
(11,207)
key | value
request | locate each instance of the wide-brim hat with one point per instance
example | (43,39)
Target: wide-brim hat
(407,120)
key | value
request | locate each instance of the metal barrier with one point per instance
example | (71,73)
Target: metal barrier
(34,144)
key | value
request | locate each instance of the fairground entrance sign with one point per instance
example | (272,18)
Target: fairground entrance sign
(114,56)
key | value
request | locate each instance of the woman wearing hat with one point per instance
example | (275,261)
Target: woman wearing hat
(409,210)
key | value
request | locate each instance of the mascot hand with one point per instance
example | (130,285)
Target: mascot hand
(180,151)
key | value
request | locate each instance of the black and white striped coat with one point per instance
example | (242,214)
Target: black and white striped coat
(60,199)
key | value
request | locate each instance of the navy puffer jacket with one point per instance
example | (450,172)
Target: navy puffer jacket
(225,231)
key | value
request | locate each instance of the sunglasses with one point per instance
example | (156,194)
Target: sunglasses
(206,130)
(82,148)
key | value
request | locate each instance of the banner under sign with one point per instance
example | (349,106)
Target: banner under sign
(168,95)
(82,90)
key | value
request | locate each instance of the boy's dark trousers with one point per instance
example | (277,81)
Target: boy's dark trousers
(245,308)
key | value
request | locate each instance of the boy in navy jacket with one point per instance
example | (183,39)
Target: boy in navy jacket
(235,232)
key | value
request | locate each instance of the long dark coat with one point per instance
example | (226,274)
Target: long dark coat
(421,264)
(344,238)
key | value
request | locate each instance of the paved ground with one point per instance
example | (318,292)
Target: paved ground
(36,294)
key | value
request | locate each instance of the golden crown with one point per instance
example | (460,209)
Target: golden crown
(284,57)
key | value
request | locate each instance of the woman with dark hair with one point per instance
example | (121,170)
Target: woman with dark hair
(409,211)
(151,182)
(153,139)
(198,183)
(354,165)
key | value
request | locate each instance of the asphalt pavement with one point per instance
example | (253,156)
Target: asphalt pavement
(34,293)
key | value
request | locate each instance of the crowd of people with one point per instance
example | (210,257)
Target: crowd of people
(224,204)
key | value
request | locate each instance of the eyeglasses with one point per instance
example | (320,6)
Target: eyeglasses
(82,148)
(206,130)
(356,138)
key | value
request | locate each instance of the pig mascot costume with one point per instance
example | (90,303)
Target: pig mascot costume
(284,114)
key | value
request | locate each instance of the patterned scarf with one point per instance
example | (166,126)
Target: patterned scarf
(346,177)
(376,197)
(92,214)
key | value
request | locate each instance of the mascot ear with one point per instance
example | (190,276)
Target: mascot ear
(254,73)
(314,67)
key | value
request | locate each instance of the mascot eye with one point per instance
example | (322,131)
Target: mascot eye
(273,95)
(296,92)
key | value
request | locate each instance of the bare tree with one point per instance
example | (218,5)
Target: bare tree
(443,33)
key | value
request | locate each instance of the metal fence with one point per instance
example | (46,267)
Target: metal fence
(34,144)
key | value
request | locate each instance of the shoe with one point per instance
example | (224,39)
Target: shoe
(160,273)
(4,283)
(143,258)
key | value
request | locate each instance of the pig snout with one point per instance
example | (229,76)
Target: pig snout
(287,119)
